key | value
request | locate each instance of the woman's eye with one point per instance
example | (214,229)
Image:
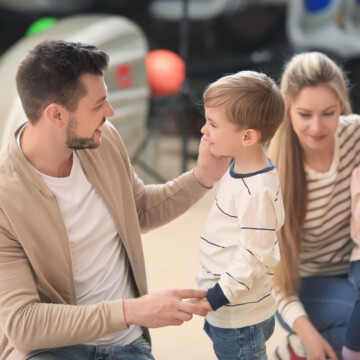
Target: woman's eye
(329,113)
(304,114)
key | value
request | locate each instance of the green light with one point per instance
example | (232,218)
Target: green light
(40,25)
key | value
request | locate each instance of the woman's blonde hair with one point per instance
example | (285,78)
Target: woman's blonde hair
(304,70)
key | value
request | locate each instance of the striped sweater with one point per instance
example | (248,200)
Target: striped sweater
(355,214)
(326,245)
(239,248)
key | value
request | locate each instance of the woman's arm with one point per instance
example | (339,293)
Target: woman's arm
(355,213)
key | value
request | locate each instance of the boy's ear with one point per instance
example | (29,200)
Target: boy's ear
(54,113)
(251,137)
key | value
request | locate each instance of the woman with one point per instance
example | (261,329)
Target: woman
(315,150)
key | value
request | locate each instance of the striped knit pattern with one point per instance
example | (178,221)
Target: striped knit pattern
(239,248)
(327,245)
(326,237)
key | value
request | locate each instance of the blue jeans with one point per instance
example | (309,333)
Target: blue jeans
(352,335)
(137,350)
(328,301)
(247,343)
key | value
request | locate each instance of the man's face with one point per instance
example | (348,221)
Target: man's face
(84,125)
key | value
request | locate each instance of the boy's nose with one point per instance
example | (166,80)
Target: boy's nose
(204,130)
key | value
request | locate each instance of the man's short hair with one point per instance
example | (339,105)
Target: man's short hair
(51,73)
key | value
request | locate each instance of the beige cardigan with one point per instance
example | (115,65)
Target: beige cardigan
(37,295)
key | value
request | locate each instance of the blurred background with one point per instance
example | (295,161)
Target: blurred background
(164,52)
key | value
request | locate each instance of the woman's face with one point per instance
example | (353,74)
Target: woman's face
(314,116)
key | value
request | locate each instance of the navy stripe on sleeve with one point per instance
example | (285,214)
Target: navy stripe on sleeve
(211,243)
(225,213)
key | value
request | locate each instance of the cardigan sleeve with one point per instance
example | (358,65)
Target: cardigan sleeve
(155,204)
(28,320)
(161,203)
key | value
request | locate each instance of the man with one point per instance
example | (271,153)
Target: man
(72,274)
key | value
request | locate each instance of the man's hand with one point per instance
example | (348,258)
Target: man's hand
(209,168)
(164,308)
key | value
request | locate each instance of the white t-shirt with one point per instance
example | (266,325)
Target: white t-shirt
(100,265)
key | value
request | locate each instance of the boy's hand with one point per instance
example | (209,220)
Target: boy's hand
(202,302)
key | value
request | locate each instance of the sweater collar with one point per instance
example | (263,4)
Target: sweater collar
(24,167)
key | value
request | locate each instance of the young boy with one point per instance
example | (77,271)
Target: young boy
(238,248)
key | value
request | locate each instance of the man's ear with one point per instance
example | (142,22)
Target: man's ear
(251,137)
(55,114)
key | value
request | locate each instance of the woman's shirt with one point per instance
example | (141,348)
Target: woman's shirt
(355,214)
(326,241)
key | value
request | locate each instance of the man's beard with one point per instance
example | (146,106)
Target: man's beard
(76,143)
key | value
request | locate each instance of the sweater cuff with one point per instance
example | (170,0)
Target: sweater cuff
(216,298)
(114,311)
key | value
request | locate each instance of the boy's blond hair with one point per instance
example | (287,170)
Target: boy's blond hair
(252,101)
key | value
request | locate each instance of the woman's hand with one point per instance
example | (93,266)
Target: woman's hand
(317,348)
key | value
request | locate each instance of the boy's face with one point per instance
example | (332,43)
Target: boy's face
(224,137)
